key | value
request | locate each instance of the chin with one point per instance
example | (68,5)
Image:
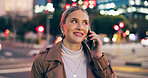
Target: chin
(78,40)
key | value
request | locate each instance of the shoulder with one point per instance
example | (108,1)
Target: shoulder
(41,55)
(44,51)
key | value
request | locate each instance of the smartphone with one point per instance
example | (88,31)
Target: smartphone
(90,43)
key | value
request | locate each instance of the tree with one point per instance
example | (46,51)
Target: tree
(40,19)
(142,27)
(5,23)
(104,24)
(55,22)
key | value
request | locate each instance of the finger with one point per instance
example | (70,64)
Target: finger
(91,35)
(96,38)
(92,32)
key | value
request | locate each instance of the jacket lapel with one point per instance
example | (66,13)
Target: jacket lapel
(54,53)
(54,56)
(89,60)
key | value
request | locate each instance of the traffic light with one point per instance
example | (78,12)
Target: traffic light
(6,32)
(124,34)
(40,28)
(121,24)
(116,27)
(67,6)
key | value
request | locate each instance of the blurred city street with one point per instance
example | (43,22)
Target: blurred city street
(16,60)
(29,26)
(131,61)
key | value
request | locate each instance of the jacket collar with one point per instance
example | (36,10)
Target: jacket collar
(87,52)
(55,52)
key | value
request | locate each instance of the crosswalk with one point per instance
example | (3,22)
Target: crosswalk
(14,66)
(16,70)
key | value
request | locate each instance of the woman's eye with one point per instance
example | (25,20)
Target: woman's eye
(74,21)
(85,23)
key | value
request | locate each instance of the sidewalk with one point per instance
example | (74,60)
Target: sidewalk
(133,54)
(129,54)
(25,45)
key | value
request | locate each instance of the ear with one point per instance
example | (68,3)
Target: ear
(62,26)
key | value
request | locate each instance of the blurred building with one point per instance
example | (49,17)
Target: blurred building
(22,8)
(130,8)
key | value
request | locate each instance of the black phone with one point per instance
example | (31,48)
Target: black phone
(91,43)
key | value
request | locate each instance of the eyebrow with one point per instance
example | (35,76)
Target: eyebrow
(77,19)
(74,18)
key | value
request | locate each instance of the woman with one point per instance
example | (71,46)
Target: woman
(72,58)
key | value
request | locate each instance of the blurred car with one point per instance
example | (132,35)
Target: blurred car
(144,42)
(0,46)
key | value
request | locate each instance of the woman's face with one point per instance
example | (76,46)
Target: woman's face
(76,26)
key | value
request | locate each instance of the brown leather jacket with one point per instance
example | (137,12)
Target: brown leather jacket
(48,64)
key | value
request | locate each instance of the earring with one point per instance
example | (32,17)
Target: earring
(63,36)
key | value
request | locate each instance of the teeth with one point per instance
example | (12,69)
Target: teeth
(78,33)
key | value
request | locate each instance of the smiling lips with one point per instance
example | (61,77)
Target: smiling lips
(78,34)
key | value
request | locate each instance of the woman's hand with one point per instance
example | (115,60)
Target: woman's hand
(97,53)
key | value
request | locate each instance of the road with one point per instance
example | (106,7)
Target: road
(15,62)
(128,60)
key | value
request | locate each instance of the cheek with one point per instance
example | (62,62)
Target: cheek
(86,30)
(67,29)
(70,27)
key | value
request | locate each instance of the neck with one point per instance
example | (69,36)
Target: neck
(72,46)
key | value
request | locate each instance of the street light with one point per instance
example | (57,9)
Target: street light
(51,9)
(119,31)
(48,9)
(132,37)
(74,4)
(86,3)
(40,30)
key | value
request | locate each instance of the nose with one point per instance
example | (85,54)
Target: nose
(80,26)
